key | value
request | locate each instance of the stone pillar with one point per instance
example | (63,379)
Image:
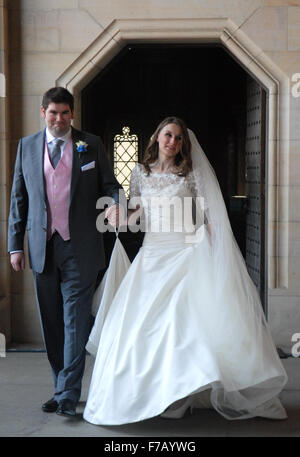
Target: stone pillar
(5,321)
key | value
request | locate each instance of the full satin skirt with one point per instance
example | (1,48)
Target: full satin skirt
(169,333)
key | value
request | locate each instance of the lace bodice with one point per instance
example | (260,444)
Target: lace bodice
(160,184)
(166,199)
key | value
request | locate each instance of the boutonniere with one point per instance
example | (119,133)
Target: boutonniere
(81,147)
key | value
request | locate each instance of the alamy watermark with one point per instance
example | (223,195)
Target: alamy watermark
(2,85)
(296,86)
(157,215)
(296,347)
(2,345)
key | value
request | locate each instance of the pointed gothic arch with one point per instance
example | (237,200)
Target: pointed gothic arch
(226,33)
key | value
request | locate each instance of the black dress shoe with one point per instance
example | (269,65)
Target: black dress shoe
(66,407)
(50,406)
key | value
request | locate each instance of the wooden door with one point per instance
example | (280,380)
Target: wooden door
(255,185)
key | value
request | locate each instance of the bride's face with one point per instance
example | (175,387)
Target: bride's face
(169,141)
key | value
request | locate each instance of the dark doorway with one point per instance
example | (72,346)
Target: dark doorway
(203,85)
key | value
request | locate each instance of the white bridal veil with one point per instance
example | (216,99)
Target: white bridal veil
(239,312)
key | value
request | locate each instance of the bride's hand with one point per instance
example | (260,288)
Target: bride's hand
(115,215)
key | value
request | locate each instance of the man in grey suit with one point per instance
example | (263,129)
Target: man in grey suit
(60,173)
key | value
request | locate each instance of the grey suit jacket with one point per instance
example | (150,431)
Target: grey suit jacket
(28,209)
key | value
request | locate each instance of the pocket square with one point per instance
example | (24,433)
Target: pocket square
(88,166)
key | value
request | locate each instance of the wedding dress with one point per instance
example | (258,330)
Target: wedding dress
(169,333)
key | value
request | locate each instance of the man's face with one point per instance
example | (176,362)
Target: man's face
(58,118)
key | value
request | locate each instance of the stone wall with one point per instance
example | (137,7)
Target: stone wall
(55,41)
(5,324)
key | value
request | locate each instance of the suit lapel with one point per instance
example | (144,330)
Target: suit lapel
(38,149)
(76,136)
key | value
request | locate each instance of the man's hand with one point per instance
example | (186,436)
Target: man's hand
(115,215)
(17,260)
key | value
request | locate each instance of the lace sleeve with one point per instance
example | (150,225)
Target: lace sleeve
(135,182)
(190,180)
(200,207)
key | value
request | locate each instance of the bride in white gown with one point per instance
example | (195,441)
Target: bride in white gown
(185,327)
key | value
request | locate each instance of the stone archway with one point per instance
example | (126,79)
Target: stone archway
(226,33)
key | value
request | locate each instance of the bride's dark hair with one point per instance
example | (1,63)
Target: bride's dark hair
(183,160)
